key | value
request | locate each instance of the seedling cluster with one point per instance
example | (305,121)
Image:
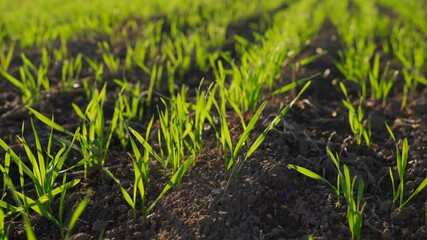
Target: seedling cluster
(138,95)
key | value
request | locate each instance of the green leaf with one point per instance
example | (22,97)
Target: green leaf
(17,159)
(147,146)
(36,205)
(293,85)
(418,190)
(48,121)
(248,129)
(125,194)
(344,90)
(3,231)
(12,79)
(176,178)
(405,149)
(10,207)
(346,186)
(76,214)
(78,111)
(274,123)
(28,228)
(335,159)
(27,62)
(390,132)
(312,58)
(127,197)
(395,193)
(313,175)
(41,161)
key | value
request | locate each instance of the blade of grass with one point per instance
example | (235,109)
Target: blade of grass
(313,175)
(48,121)
(77,213)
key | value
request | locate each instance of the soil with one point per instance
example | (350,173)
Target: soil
(266,200)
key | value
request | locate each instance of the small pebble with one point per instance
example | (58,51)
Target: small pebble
(217,191)
(151,216)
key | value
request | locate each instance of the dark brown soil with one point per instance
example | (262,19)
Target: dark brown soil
(266,200)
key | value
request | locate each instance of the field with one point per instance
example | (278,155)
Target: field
(280,119)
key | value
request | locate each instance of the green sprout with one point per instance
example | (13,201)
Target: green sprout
(344,187)
(94,139)
(356,118)
(401,161)
(232,153)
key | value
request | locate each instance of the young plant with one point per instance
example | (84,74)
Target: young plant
(220,76)
(75,216)
(112,62)
(43,172)
(140,170)
(171,71)
(176,132)
(155,79)
(354,207)
(42,205)
(231,153)
(131,99)
(98,68)
(177,49)
(29,85)
(345,188)
(40,73)
(136,55)
(174,180)
(202,114)
(355,63)
(409,87)
(248,82)
(71,71)
(381,86)
(202,54)
(65,231)
(44,169)
(401,162)
(336,189)
(121,130)
(94,139)
(61,52)
(410,48)
(355,119)
(6,54)
(22,207)
(5,172)
(129,106)
(233,161)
